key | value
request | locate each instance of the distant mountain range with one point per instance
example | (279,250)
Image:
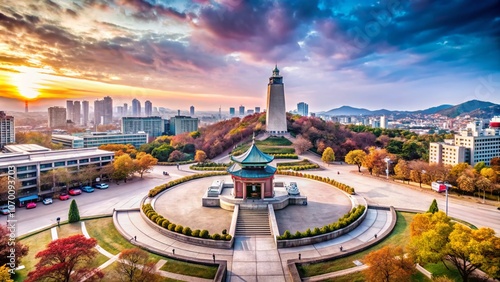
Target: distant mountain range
(473,108)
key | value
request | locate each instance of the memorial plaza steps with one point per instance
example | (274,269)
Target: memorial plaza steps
(253,222)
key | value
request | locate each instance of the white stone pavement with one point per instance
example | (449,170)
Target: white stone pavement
(255,258)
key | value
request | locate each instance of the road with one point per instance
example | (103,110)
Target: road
(377,191)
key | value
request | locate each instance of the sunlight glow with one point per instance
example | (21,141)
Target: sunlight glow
(27,82)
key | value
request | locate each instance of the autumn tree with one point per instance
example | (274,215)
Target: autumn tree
(328,155)
(120,149)
(301,145)
(5,182)
(144,163)
(374,161)
(4,274)
(176,156)
(124,167)
(467,180)
(458,170)
(73,213)
(402,170)
(389,264)
(418,169)
(200,156)
(107,170)
(66,259)
(479,166)
(489,173)
(88,174)
(134,265)
(356,157)
(435,238)
(21,250)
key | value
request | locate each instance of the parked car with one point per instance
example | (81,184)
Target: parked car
(47,201)
(63,197)
(101,186)
(31,205)
(75,191)
(87,189)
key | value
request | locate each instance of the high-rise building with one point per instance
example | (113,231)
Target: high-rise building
(472,145)
(7,134)
(231,111)
(98,112)
(153,126)
(136,108)
(383,122)
(191,110)
(276,112)
(257,109)
(125,109)
(85,106)
(77,108)
(242,110)
(148,108)
(57,117)
(119,110)
(181,124)
(108,110)
(250,112)
(69,109)
(303,109)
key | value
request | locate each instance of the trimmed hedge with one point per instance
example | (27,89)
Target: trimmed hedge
(220,168)
(285,156)
(160,188)
(175,163)
(166,224)
(346,188)
(301,167)
(342,222)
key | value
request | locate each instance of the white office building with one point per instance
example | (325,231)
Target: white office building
(96,139)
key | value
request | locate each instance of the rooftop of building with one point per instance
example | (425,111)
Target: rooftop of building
(28,148)
(253,156)
(17,158)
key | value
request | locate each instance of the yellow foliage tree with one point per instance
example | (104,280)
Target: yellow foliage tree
(328,155)
(389,264)
(356,157)
(124,167)
(200,156)
(144,162)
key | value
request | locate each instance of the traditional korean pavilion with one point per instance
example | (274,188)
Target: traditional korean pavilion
(251,174)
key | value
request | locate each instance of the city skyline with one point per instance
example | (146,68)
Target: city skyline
(404,55)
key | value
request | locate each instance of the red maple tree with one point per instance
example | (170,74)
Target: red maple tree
(66,259)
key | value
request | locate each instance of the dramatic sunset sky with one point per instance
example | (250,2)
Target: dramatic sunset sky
(407,54)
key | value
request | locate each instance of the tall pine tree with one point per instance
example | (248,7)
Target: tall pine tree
(73,214)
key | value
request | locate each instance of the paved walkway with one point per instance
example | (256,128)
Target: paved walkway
(254,258)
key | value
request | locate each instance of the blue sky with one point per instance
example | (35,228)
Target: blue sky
(404,55)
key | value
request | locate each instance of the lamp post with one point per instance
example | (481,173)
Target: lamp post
(58,221)
(388,161)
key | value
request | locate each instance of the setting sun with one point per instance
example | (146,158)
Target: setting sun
(27,82)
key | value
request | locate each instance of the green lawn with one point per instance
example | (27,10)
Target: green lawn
(104,231)
(186,268)
(399,237)
(297,163)
(36,243)
(110,274)
(277,150)
(69,229)
(274,141)
(438,269)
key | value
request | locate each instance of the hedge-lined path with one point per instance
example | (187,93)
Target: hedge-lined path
(254,257)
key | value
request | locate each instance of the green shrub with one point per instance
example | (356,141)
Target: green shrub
(186,231)
(308,233)
(228,237)
(286,235)
(171,227)
(297,235)
(224,232)
(316,231)
(165,224)
(195,233)
(204,234)
(154,217)
(73,214)
(179,228)
(160,188)
(216,236)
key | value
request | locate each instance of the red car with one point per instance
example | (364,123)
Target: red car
(63,197)
(31,205)
(75,191)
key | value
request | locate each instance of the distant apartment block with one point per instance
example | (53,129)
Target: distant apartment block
(96,139)
(153,126)
(472,145)
(32,162)
(232,111)
(148,108)
(191,110)
(77,112)
(242,110)
(181,124)
(7,134)
(257,109)
(383,122)
(69,109)
(250,111)
(303,109)
(136,108)
(57,117)
(85,109)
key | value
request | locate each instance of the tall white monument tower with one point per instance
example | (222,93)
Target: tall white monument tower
(276,113)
